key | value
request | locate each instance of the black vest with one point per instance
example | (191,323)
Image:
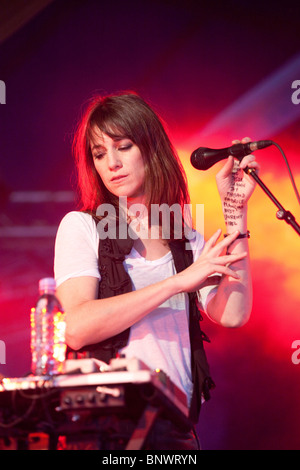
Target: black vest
(115,280)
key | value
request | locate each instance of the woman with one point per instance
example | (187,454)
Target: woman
(144,304)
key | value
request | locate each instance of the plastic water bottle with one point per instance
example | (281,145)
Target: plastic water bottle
(48,347)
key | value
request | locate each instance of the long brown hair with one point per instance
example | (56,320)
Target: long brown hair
(128,115)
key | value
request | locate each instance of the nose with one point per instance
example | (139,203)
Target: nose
(114,161)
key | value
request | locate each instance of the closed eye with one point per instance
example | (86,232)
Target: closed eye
(98,156)
(99,151)
(125,147)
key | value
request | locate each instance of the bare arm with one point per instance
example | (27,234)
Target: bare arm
(232,304)
(91,320)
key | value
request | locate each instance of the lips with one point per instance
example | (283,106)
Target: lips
(115,179)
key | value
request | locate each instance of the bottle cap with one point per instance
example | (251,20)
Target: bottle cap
(47,284)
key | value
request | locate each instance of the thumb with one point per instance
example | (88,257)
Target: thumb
(226,170)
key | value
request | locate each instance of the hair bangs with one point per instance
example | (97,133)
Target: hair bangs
(108,121)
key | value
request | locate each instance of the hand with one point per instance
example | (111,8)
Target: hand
(234,185)
(211,261)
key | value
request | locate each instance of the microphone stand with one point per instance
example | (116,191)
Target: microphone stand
(281,214)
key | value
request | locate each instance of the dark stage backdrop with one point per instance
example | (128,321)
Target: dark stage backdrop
(214,73)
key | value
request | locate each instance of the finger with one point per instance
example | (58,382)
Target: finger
(214,238)
(226,170)
(245,140)
(230,258)
(246,161)
(231,273)
(254,164)
(216,249)
(229,239)
(212,241)
(225,270)
(250,163)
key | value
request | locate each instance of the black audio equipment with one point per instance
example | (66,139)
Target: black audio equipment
(77,403)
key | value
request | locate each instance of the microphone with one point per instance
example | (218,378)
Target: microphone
(203,158)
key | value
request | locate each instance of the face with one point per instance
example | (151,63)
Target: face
(120,165)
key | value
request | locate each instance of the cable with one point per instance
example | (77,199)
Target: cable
(19,419)
(289,170)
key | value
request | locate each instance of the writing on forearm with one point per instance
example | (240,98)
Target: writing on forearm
(233,203)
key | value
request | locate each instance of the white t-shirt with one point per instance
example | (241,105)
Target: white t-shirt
(160,339)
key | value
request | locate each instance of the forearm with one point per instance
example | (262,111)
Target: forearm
(232,304)
(95,320)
